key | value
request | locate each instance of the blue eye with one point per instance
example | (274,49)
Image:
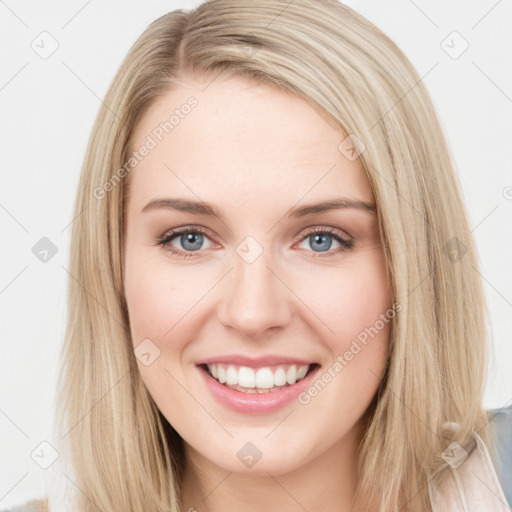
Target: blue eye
(321,238)
(191,239)
(320,241)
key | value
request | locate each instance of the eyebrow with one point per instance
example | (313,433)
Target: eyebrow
(203,208)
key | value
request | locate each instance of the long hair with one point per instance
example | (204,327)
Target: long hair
(123,453)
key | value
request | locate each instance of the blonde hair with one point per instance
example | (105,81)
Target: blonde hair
(123,452)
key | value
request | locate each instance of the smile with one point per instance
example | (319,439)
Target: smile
(256,386)
(257,380)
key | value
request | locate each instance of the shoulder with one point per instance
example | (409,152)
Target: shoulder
(39,505)
(501,417)
(502,422)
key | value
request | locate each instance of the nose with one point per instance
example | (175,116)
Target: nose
(255,298)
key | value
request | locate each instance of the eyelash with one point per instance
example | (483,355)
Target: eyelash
(165,239)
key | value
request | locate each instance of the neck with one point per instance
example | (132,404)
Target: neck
(325,483)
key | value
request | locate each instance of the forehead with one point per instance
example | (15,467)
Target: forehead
(233,138)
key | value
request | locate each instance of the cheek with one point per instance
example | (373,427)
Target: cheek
(147,301)
(157,307)
(159,299)
(349,301)
(357,308)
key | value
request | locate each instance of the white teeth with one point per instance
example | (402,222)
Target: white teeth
(246,377)
(261,379)
(280,376)
(264,378)
(231,376)
(301,372)
(291,374)
(221,374)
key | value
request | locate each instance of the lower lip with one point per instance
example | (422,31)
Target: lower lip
(255,403)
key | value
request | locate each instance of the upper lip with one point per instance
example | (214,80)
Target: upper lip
(254,362)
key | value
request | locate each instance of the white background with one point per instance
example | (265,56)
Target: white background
(47,110)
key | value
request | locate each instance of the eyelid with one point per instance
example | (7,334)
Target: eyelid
(189,228)
(305,231)
(318,228)
(344,239)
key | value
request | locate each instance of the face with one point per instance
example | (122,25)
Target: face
(264,322)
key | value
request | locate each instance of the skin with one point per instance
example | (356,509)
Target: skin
(255,152)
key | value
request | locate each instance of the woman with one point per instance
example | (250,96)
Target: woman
(275,300)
